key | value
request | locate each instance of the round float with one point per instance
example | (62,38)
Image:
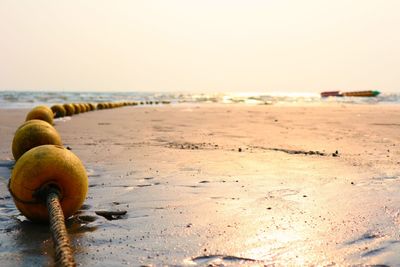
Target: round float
(48,166)
(92,106)
(59,111)
(31,134)
(40,113)
(83,107)
(70,110)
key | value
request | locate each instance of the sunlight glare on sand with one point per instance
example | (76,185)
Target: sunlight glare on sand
(265,245)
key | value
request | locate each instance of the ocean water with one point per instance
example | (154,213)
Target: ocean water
(29,99)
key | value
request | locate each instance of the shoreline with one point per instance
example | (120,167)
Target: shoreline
(199,180)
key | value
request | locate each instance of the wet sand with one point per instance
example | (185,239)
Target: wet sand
(223,184)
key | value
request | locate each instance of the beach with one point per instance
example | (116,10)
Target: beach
(207,184)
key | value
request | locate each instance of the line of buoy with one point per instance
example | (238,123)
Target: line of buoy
(49,183)
(70,109)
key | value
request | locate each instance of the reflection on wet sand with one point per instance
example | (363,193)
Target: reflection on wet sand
(33,244)
(223,186)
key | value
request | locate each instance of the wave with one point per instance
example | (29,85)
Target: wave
(29,99)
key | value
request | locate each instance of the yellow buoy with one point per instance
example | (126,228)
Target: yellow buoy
(40,113)
(48,166)
(77,108)
(87,107)
(31,134)
(59,111)
(83,107)
(92,106)
(69,108)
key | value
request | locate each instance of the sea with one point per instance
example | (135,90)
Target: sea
(29,99)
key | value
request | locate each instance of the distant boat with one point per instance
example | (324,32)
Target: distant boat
(362,93)
(355,93)
(331,93)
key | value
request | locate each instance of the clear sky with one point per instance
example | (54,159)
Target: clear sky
(204,45)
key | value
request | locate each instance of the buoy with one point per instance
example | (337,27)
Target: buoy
(59,111)
(92,106)
(34,133)
(69,108)
(77,108)
(87,107)
(40,113)
(83,107)
(43,168)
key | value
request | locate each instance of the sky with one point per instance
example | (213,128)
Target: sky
(206,46)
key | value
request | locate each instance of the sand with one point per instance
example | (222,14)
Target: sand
(223,184)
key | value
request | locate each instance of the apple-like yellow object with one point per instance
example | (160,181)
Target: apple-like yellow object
(69,108)
(59,111)
(40,113)
(48,166)
(77,108)
(34,133)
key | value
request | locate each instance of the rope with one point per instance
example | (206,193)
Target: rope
(64,256)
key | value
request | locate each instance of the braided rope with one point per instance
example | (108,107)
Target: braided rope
(64,256)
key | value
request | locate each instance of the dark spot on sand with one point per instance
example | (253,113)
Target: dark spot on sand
(363,238)
(293,151)
(221,260)
(112,215)
(191,186)
(192,146)
(85,207)
(204,182)
(86,218)
(144,185)
(374,252)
